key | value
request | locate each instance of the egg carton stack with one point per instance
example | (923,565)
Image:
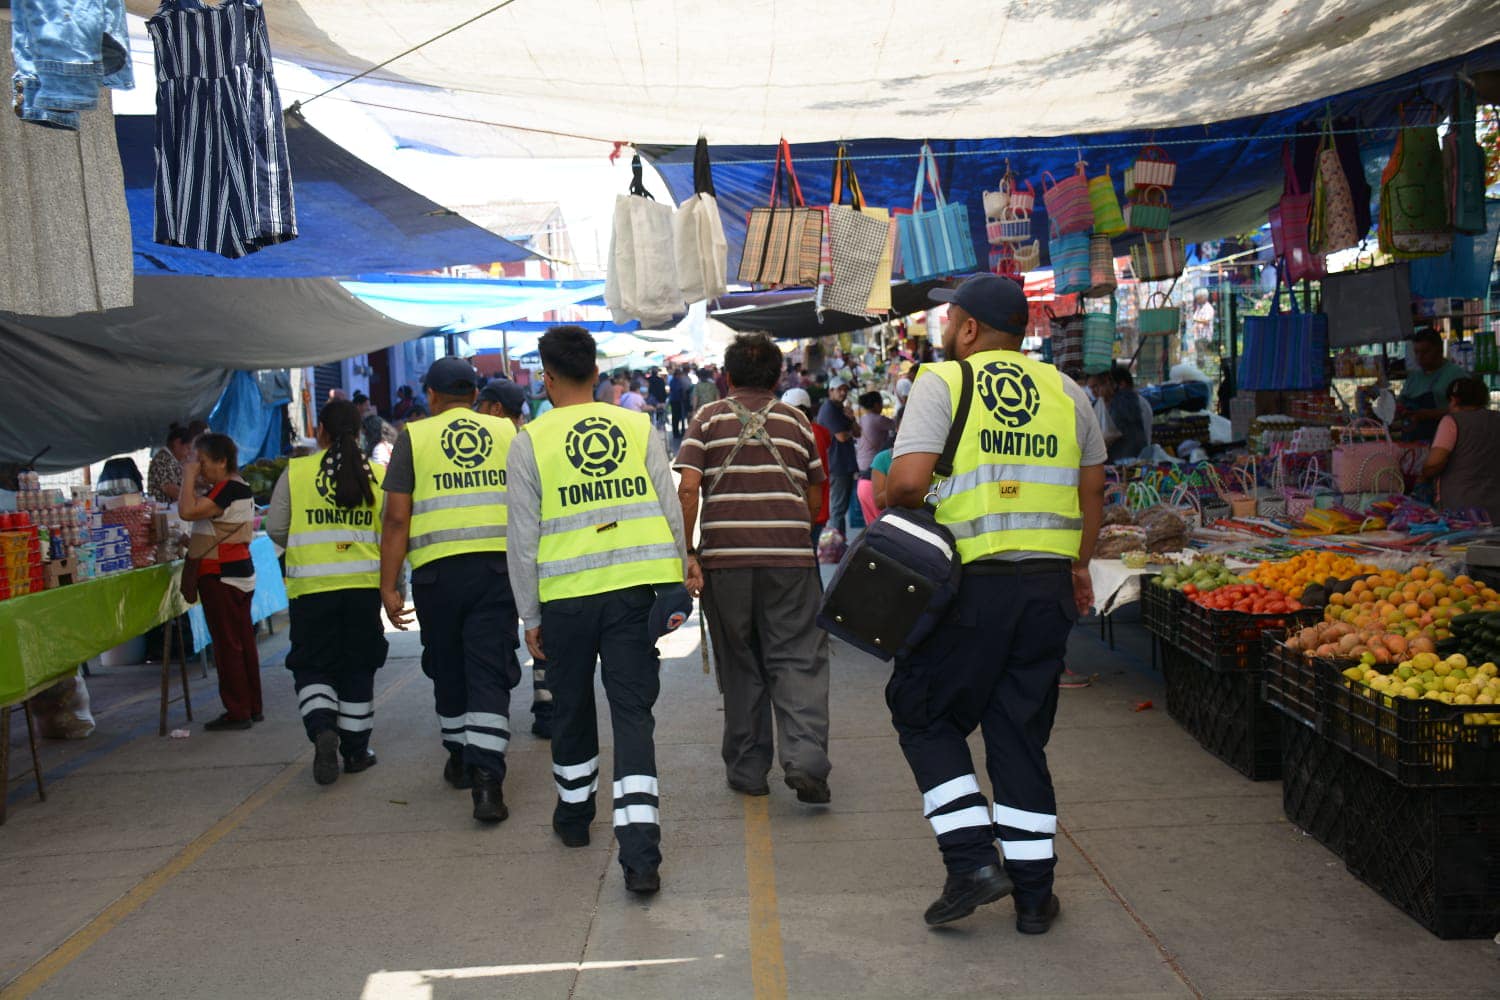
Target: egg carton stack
(111,544)
(136,520)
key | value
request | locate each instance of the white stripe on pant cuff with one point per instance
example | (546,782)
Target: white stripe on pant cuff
(1027,850)
(352,725)
(487,720)
(578,794)
(487,741)
(318,703)
(571,772)
(948,822)
(634,783)
(627,815)
(1019,819)
(451,721)
(312,689)
(356,707)
(935,798)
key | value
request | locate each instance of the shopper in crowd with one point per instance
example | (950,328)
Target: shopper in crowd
(876,431)
(679,392)
(540,403)
(842,458)
(607,390)
(223,523)
(656,397)
(1125,413)
(504,399)
(1465,455)
(445,511)
(802,401)
(1424,394)
(750,464)
(594,533)
(631,397)
(407,405)
(705,392)
(164,475)
(365,407)
(377,438)
(337,637)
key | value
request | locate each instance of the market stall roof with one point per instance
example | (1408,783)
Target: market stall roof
(351,218)
(458,305)
(519,80)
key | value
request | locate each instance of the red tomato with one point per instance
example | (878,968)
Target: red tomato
(1189,589)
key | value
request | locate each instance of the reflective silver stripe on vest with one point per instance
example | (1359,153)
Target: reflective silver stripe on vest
(333,568)
(603,560)
(333,536)
(455,535)
(1042,475)
(1014,522)
(601,515)
(484,499)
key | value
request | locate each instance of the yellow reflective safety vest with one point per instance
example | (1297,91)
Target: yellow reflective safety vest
(329,547)
(458,500)
(1014,486)
(602,525)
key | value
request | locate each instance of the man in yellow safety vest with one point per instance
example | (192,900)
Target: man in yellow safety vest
(445,511)
(595,530)
(1024,505)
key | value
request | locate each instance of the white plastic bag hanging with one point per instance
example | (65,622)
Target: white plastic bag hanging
(642,279)
(698,237)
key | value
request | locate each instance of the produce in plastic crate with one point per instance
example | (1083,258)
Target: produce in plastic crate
(1291,576)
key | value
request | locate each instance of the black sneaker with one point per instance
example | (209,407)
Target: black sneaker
(489,800)
(643,883)
(456,773)
(808,788)
(755,790)
(224,722)
(571,836)
(360,762)
(963,894)
(1038,921)
(326,757)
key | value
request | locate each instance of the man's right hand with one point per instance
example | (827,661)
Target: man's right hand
(395,608)
(534,643)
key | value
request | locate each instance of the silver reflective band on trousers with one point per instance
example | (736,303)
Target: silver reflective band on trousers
(601,515)
(603,560)
(1040,474)
(332,536)
(461,500)
(333,569)
(1014,522)
(455,535)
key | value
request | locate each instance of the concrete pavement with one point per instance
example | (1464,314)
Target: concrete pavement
(214,867)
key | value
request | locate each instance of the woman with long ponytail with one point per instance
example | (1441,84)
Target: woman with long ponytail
(325,512)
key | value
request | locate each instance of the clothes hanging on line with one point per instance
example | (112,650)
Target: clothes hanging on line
(223,173)
(64,53)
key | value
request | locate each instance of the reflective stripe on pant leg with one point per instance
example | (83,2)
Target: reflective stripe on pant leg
(576,782)
(487,730)
(454,734)
(356,716)
(1019,832)
(316,697)
(637,798)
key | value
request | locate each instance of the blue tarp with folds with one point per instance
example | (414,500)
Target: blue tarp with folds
(1229,173)
(351,218)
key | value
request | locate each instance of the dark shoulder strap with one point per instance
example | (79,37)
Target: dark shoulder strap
(944,466)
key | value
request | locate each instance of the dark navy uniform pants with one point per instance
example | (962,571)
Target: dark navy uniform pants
(610,629)
(992,664)
(337,644)
(469,639)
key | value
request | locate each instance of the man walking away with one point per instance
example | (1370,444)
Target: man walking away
(755,462)
(842,460)
(1024,504)
(593,532)
(445,510)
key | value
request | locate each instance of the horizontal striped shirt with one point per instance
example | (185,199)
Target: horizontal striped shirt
(755,515)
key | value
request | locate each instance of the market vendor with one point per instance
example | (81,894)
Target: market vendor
(1465,456)
(1423,398)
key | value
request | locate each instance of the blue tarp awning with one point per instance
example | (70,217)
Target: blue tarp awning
(351,218)
(459,305)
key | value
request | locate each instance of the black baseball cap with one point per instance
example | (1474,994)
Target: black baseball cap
(999,303)
(451,375)
(511,397)
(672,607)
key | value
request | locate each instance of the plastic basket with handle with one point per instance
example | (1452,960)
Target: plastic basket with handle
(1153,168)
(1151,214)
(1028,256)
(1068,203)
(1158,319)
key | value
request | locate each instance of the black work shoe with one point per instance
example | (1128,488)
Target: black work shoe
(756,790)
(360,762)
(571,836)
(224,722)
(257,717)
(963,894)
(808,788)
(489,801)
(1038,921)
(326,757)
(643,883)
(456,773)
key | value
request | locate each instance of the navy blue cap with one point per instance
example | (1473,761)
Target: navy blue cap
(511,397)
(452,376)
(999,303)
(672,608)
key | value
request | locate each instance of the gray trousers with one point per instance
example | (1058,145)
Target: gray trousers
(772,658)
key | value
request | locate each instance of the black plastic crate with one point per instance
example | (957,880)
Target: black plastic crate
(1230,640)
(1418,742)
(1161,610)
(1223,711)
(1291,682)
(1312,783)
(1433,852)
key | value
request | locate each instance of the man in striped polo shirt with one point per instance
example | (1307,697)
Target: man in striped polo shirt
(754,461)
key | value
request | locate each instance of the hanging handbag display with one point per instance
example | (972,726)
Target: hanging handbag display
(937,242)
(1291,222)
(1106,207)
(698,236)
(1464,161)
(783,243)
(1102,279)
(1151,359)
(1156,318)
(858,245)
(1150,212)
(1028,256)
(1070,263)
(1067,202)
(1414,197)
(1152,168)
(896,582)
(1067,343)
(1099,340)
(1158,258)
(1333,225)
(1370,305)
(1284,350)
(641,283)
(1365,456)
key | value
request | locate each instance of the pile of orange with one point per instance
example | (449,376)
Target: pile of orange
(1291,576)
(1419,602)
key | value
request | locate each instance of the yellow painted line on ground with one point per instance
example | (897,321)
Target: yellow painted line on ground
(89,934)
(767,965)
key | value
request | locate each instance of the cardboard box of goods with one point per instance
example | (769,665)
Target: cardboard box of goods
(123,500)
(61,572)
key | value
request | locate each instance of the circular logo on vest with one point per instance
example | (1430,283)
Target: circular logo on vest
(324,483)
(1009,392)
(467,443)
(595,446)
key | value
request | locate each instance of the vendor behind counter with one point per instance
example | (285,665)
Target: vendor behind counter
(1424,397)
